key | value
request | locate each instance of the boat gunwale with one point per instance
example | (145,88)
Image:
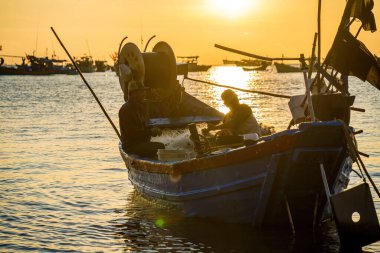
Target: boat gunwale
(276,143)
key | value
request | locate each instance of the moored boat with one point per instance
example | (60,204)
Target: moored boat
(32,65)
(286,68)
(101,66)
(192,63)
(86,64)
(262,67)
(280,180)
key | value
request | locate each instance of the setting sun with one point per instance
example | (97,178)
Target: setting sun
(230,8)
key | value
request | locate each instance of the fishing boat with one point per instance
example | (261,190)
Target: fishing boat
(280,180)
(250,63)
(86,64)
(286,68)
(101,66)
(261,67)
(192,63)
(290,179)
(32,65)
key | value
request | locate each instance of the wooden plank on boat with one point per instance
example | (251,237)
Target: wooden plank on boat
(182,121)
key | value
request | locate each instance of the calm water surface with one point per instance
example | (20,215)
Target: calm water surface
(64,186)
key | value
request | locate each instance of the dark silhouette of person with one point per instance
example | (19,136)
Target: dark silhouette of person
(135,135)
(239,120)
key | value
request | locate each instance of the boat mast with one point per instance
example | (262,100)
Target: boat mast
(319,37)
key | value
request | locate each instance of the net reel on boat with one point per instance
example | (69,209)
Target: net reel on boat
(157,70)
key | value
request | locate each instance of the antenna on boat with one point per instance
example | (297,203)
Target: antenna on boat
(319,37)
(88,48)
(88,86)
(36,41)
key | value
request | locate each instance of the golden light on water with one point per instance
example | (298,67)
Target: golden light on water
(232,76)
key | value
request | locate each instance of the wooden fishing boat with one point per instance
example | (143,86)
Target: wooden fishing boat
(86,64)
(290,179)
(192,63)
(275,181)
(286,68)
(33,65)
(280,180)
(253,183)
(262,67)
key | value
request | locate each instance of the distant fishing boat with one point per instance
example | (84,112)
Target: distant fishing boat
(286,68)
(192,63)
(250,63)
(101,66)
(32,65)
(262,67)
(246,63)
(228,62)
(86,64)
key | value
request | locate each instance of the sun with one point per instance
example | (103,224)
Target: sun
(230,8)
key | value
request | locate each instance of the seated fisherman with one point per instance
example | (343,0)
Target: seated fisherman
(239,120)
(135,136)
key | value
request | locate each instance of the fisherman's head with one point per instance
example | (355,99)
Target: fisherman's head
(136,90)
(229,98)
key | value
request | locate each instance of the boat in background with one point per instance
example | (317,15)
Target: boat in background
(250,63)
(286,68)
(32,65)
(192,63)
(262,67)
(228,62)
(247,63)
(101,66)
(85,64)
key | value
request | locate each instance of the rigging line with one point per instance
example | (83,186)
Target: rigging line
(239,89)
(88,86)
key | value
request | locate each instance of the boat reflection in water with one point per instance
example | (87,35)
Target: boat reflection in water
(150,226)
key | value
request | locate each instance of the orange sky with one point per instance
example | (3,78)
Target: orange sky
(265,27)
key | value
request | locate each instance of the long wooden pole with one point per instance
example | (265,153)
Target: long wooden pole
(255,55)
(239,89)
(88,86)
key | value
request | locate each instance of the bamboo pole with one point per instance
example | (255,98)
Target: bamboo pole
(88,86)
(239,89)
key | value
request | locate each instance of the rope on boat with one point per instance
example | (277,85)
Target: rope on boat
(239,89)
(88,86)
(355,154)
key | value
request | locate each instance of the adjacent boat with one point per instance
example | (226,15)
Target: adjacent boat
(192,63)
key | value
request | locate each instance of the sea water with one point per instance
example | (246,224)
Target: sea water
(65,188)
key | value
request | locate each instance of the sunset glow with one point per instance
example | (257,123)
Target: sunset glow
(269,28)
(230,8)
